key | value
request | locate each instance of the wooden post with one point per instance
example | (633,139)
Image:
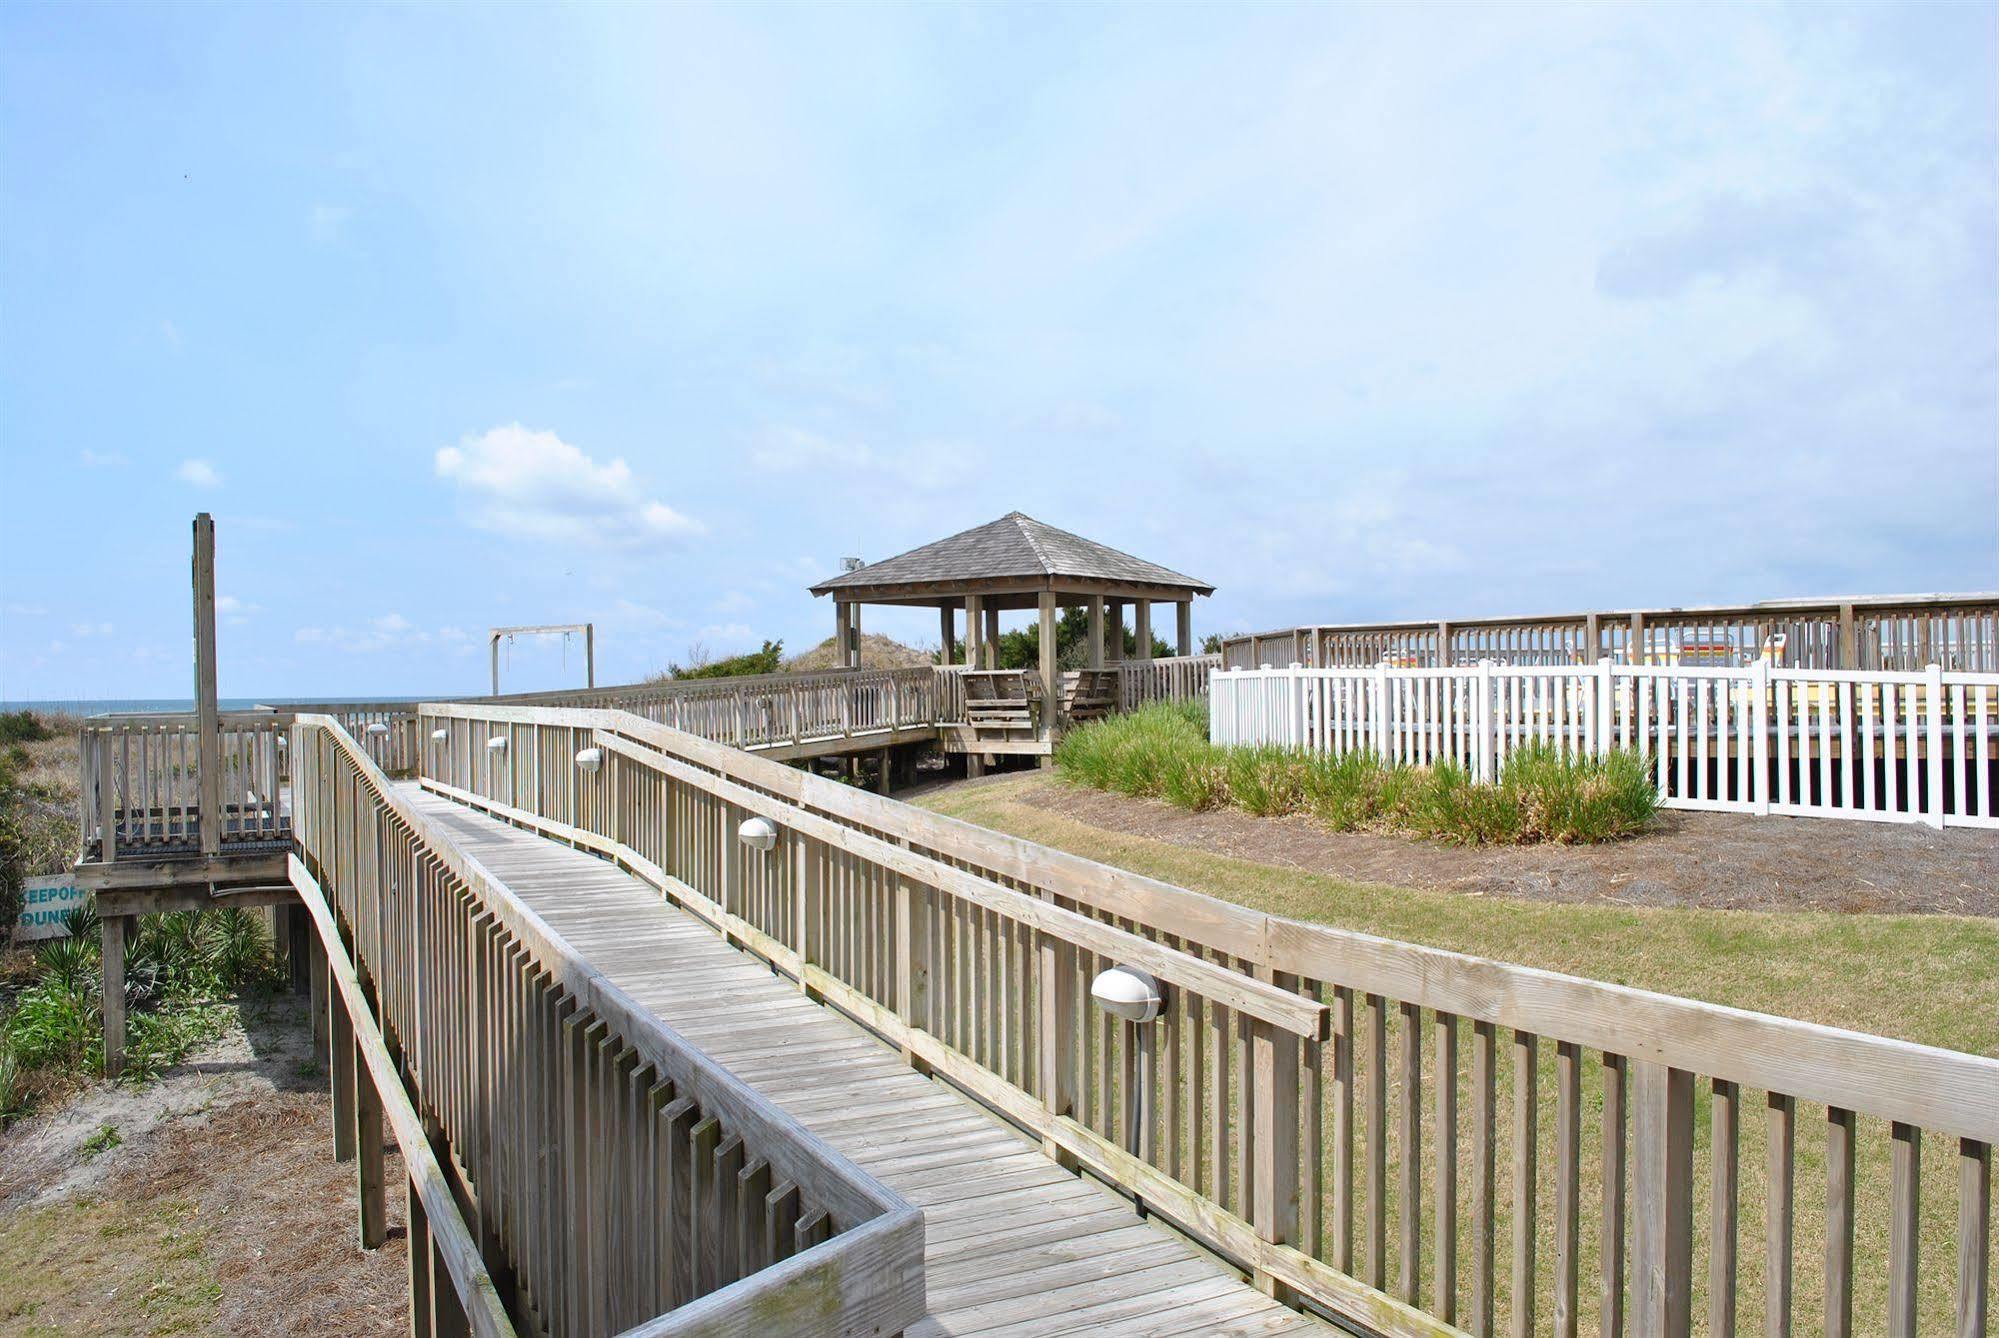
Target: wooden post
(1662,1187)
(1849,648)
(992,639)
(883,784)
(1183,618)
(419,1256)
(1274,1121)
(1096,631)
(1592,638)
(974,610)
(1443,645)
(1050,690)
(842,614)
(853,660)
(946,632)
(1113,630)
(374,1223)
(316,957)
(112,930)
(208,727)
(1056,1036)
(589,655)
(1635,652)
(342,1079)
(1142,624)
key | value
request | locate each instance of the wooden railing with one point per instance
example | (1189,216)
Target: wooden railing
(142,791)
(451,1290)
(1468,1145)
(386,730)
(1181,678)
(1895,632)
(770,711)
(606,1157)
(1837,743)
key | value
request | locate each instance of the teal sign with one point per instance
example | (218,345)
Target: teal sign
(45,907)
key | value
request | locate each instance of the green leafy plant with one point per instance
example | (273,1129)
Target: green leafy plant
(1162,751)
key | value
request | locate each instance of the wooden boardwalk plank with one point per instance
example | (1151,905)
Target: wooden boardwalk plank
(1014,1244)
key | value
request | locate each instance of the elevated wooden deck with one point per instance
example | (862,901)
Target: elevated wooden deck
(1014,1244)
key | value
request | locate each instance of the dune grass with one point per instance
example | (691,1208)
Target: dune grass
(1163,752)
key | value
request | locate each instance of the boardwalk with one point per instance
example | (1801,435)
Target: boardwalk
(1014,1244)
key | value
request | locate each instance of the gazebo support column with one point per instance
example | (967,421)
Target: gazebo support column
(1142,616)
(1050,694)
(1096,631)
(974,607)
(945,630)
(992,639)
(1183,613)
(853,636)
(1114,630)
(843,616)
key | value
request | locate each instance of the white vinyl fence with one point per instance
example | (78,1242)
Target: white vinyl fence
(1834,743)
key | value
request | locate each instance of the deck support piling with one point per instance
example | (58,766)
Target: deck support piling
(112,931)
(374,1222)
(341,1040)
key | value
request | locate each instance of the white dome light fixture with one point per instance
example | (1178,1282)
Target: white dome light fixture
(1127,992)
(758,834)
(439,735)
(590,760)
(377,727)
(497,743)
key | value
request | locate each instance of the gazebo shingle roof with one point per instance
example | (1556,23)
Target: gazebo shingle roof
(1014,546)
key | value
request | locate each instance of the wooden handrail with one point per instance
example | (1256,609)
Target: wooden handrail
(499,929)
(478,1298)
(1652,1046)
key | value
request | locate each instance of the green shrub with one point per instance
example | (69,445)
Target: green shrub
(1578,800)
(23,727)
(1162,751)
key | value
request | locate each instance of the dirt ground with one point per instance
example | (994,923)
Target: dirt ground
(1712,860)
(207,1201)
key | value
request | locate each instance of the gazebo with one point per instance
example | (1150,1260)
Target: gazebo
(1018,563)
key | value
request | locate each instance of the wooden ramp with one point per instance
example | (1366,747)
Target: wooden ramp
(1014,1244)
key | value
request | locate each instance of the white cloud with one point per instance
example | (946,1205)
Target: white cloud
(26,611)
(735,601)
(235,611)
(171,333)
(388,631)
(84,630)
(106,460)
(534,485)
(200,473)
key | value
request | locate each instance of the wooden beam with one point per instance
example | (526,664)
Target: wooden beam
(266,868)
(1096,631)
(974,611)
(1184,627)
(1114,632)
(208,777)
(992,637)
(946,632)
(1142,625)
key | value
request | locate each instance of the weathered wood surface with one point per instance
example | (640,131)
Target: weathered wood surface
(566,1104)
(1014,1242)
(666,807)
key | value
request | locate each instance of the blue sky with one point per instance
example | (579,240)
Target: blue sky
(455,317)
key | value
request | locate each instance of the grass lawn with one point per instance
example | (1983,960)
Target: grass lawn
(1933,979)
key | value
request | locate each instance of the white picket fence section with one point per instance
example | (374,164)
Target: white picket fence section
(1830,743)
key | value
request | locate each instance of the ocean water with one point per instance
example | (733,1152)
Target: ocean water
(162,705)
